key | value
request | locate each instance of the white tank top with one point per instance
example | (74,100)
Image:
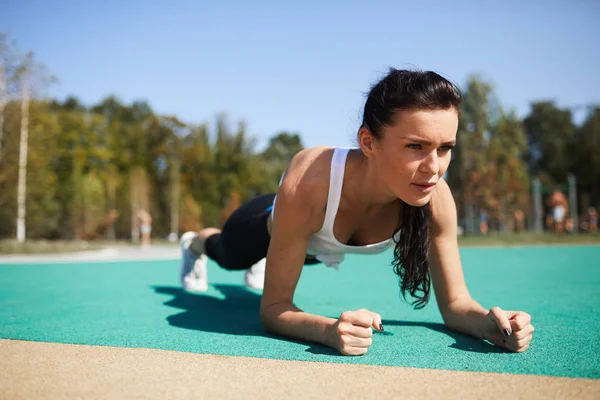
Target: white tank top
(323,244)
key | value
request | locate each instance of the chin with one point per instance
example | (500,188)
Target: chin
(417,201)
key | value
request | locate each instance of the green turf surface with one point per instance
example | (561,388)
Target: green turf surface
(139,304)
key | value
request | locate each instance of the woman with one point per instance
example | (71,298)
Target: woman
(145,224)
(332,201)
(559,205)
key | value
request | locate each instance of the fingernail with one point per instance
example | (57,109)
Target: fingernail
(381,327)
(506,332)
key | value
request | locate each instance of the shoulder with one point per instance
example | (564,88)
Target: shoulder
(305,185)
(443,208)
(308,171)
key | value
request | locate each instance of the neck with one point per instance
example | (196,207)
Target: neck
(367,189)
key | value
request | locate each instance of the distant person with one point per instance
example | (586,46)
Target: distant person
(100,230)
(569,225)
(593,219)
(483,222)
(549,223)
(145,224)
(519,218)
(387,192)
(559,206)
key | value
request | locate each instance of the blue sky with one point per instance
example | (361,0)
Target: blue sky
(304,66)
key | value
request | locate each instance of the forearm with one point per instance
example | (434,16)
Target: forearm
(466,316)
(290,321)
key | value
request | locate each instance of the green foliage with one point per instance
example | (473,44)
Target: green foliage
(42,206)
(585,153)
(282,147)
(550,132)
(84,162)
(508,178)
(469,162)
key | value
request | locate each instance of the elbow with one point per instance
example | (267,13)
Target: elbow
(267,319)
(449,321)
(446,317)
(449,312)
(445,312)
(270,315)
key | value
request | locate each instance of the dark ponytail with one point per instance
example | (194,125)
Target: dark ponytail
(402,90)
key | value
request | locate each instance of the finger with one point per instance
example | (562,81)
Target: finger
(354,351)
(353,341)
(361,317)
(499,317)
(377,323)
(504,342)
(523,342)
(522,349)
(518,347)
(359,331)
(527,331)
(519,320)
(508,346)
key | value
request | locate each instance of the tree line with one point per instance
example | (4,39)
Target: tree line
(71,171)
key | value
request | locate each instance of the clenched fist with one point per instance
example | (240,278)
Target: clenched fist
(352,334)
(511,330)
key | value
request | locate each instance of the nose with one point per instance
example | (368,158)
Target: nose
(430,164)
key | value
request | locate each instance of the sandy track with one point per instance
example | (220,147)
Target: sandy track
(32,370)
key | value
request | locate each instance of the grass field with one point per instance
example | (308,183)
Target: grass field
(524,239)
(47,246)
(11,246)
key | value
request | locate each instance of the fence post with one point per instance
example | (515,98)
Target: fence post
(573,202)
(538,210)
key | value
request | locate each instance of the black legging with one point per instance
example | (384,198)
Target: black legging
(245,238)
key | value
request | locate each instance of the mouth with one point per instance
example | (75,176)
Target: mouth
(424,186)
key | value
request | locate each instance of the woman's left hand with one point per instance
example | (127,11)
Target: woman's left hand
(511,330)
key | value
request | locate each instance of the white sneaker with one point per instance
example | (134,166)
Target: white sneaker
(194,276)
(254,277)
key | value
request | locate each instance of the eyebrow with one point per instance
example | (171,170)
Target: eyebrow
(426,142)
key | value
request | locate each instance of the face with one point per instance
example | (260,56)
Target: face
(414,153)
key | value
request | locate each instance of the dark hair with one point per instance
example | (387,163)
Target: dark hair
(402,90)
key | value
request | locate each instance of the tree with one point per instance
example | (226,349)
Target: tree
(587,156)
(43,208)
(198,174)
(140,198)
(550,132)
(7,79)
(25,73)
(465,174)
(505,189)
(3,91)
(282,147)
(32,75)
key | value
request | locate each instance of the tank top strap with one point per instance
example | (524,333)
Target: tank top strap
(336,181)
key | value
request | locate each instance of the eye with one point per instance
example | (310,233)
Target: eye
(446,149)
(414,146)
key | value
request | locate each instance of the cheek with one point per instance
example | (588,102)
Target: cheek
(444,163)
(400,168)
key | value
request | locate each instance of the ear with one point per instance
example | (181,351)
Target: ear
(366,141)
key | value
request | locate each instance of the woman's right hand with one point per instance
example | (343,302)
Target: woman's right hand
(352,334)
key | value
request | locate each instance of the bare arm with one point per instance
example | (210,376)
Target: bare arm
(299,212)
(511,330)
(297,216)
(459,311)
